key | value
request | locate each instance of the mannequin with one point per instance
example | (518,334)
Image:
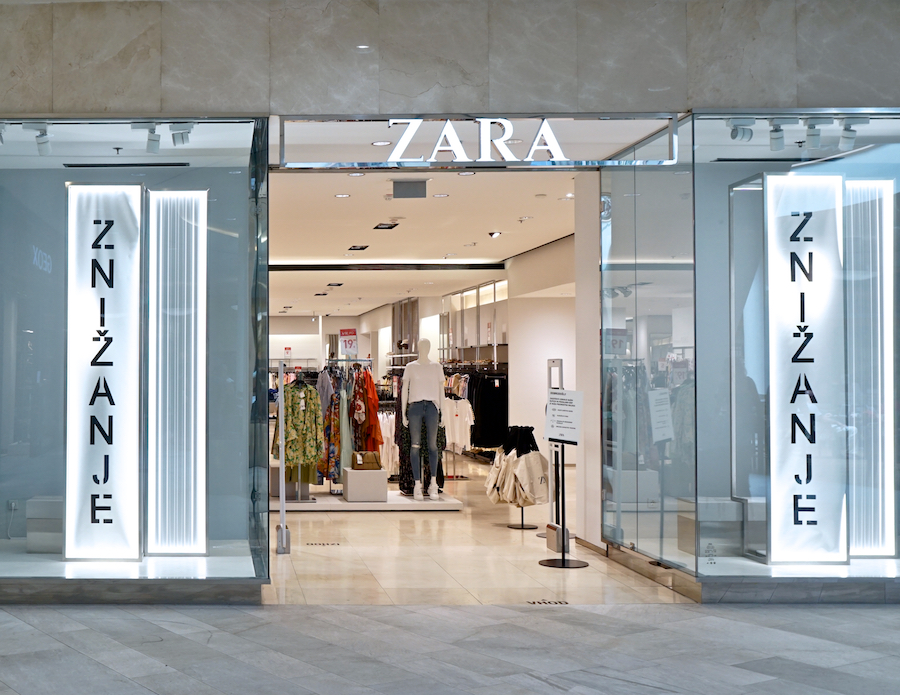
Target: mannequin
(421,400)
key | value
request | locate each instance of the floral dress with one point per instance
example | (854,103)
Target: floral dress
(304,428)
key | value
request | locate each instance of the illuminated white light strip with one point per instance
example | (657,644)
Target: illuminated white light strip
(176,456)
(103,352)
(871,213)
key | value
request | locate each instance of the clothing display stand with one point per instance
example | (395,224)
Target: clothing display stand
(282,532)
(522,526)
(559,473)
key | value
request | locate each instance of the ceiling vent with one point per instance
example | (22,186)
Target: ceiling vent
(385,225)
(410,189)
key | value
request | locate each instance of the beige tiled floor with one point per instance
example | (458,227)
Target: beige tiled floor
(442,558)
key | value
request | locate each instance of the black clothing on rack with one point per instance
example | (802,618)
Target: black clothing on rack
(490,402)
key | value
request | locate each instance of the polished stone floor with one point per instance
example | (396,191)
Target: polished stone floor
(635,649)
(442,558)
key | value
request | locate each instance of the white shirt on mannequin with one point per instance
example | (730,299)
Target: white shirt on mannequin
(423,380)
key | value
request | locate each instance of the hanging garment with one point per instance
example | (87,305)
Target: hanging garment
(520,473)
(372,438)
(325,389)
(490,407)
(303,435)
(330,464)
(346,433)
(390,452)
(458,417)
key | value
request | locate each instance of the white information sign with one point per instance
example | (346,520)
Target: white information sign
(287,353)
(103,396)
(661,415)
(807,377)
(564,410)
(349,344)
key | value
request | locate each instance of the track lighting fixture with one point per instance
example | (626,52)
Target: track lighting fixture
(741,128)
(493,235)
(152,135)
(42,138)
(2,128)
(813,134)
(848,135)
(181,133)
(776,134)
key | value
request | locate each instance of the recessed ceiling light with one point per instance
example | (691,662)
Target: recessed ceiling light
(320,294)
(341,195)
(282,312)
(441,195)
(335,284)
(494,235)
(540,195)
(570,195)
(363,46)
(565,294)
(566,199)
(514,141)
(429,283)
(288,307)
(385,225)
(348,254)
(356,173)
(525,217)
(467,173)
(472,244)
(358,248)
(382,143)
(447,255)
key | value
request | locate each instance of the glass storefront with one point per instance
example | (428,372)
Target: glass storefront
(748,301)
(133,339)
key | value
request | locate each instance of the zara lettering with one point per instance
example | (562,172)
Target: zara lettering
(449,141)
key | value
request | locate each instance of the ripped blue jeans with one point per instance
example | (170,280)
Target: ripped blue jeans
(427,411)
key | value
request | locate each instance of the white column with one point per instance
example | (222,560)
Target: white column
(589,473)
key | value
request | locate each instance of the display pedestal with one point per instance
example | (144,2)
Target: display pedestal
(365,486)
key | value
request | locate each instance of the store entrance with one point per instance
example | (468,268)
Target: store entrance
(367,269)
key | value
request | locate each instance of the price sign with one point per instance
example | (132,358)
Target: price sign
(349,345)
(615,341)
(287,353)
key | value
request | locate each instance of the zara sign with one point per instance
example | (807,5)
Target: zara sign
(449,141)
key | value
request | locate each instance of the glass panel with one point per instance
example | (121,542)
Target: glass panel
(33,319)
(647,305)
(762,503)
(502,289)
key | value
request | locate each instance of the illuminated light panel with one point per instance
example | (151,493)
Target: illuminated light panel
(870,224)
(176,402)
(806,346)
(103,366)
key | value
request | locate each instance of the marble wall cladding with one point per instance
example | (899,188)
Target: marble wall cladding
(106,57)
(26,32)
(632,56)
(848,52)
(533,56)
(317,65)
(434,56)
(742,52)
(215,57)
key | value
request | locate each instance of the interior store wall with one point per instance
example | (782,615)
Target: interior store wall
(512,56)
(32,454)
(540,329)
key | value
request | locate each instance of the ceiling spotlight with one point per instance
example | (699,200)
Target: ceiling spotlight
(42,138)
(813,134)
(848,135)
(740,128)
(2,128)
(494,235)
(467,173)
(341,195)
(776,138)
(181,133)
(441,195)
(152,135)
(776,134)
(356,173)
(348,254)
(382,143)
(363,46)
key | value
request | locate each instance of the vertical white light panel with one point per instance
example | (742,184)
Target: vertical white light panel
(870,345)
(103,362)
(176,448)
(807,372)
